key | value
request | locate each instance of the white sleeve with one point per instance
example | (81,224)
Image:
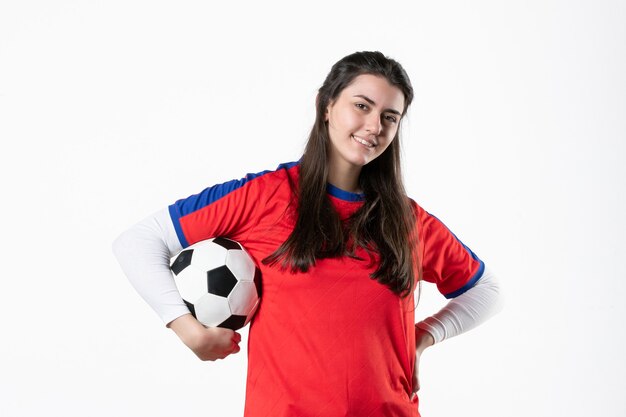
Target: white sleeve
(466,311)
(144,253)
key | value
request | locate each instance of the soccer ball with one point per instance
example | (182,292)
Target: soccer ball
(219,282)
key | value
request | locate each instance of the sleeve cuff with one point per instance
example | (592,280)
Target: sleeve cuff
(432,325)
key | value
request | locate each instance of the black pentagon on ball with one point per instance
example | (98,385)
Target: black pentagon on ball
(182,261)
(221,281)
(226,243)
(257,281)
(191,308)
(234,322)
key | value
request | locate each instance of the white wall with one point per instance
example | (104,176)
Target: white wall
(516,139)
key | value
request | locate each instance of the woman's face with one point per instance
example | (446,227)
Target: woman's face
(363,121)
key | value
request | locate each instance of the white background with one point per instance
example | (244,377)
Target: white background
(516,139)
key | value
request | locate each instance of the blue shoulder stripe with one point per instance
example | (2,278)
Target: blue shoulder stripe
(175,216)
(472,280)
(210,195)
(479,273)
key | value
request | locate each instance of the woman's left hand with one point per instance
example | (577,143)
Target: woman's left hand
(423,339)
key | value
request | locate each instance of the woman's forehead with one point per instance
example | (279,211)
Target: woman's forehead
(377,89)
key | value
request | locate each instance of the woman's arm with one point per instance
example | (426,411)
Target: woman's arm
(466,311)
(461,314)
(144,253)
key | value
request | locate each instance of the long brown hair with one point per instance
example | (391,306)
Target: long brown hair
(385,223)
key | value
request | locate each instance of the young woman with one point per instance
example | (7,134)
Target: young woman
(341,249)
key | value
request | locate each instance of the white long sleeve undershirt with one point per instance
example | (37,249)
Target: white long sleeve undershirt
(466,311)
(145,249)
(144,253)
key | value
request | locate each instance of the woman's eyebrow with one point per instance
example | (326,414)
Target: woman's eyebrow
(370,101)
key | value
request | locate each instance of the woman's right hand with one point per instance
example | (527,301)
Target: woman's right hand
(208,343)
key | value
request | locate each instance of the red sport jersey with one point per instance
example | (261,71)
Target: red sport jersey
(330,342)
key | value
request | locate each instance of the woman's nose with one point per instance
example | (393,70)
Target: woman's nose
(373,123)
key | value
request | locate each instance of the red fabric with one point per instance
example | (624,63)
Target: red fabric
(330,342)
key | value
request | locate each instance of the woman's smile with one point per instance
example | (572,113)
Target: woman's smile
(366,143)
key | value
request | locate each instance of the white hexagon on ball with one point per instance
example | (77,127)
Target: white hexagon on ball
(190,287)
(240,265)
(211,310)
(207,255)
(242,298)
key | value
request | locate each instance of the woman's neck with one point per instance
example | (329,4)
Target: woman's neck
(345,177)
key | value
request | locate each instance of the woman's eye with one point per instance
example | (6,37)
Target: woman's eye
(390,119)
